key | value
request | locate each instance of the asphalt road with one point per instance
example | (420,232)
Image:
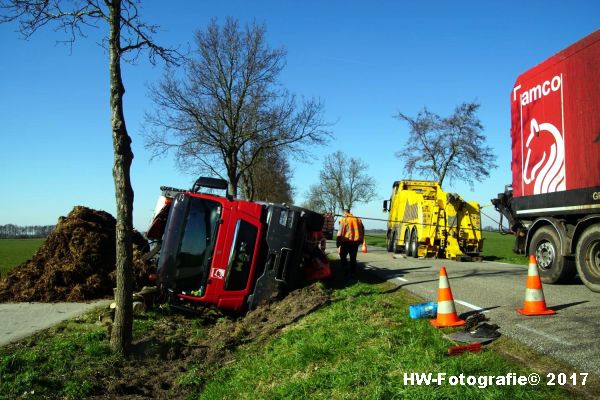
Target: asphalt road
(19,320)
(572,335)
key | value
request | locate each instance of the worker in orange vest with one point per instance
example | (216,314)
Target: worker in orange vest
(350,235)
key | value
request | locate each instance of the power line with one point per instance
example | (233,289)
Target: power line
(410,222)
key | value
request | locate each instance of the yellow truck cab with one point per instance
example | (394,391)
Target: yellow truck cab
(425,221)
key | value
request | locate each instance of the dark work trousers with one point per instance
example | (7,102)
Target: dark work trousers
(351,249)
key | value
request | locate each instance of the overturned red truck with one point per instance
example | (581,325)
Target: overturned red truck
(233,254)
(553,204)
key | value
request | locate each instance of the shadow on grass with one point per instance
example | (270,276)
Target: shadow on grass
(367,275)
(342,278)
(492,258)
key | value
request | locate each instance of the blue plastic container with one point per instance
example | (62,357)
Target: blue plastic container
(423,310)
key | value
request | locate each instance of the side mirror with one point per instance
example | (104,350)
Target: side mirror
(385,206)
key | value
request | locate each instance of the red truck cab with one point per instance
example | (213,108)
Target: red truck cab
(233,254)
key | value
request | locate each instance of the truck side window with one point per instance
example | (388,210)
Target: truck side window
(286,219)
(240,258)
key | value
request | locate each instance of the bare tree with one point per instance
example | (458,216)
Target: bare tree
(343,182)
(453,147)
(268,178)
(229,109)
(127,36)
(320,200)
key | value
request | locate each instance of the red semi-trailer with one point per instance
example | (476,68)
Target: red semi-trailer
(553,204)
(230,253)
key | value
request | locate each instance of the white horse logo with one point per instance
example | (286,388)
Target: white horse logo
(548,174)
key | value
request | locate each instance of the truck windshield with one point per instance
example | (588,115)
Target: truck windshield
(196,244)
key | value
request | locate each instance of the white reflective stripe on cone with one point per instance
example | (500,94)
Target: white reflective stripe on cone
(446,307)
(533,270)
(534,295)
(444,282)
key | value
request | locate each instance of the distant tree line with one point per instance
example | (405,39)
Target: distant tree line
(491,228)
(11,231)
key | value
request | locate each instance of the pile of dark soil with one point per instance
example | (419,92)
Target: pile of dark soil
(267,319)
(75,263)
(171,348)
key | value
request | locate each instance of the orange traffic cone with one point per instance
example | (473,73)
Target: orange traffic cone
(446,312)
(535,303)
(364,246)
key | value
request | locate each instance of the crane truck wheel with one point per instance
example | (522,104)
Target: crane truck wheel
(390,241)
(396,249)
(588,257)
(414,247)
(553,267)
(407,243)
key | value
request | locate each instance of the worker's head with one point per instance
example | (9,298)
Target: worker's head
(345,211)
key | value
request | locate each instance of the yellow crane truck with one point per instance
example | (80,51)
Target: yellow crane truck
(425,221)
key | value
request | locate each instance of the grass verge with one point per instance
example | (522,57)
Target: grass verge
(62,362)
(360,347)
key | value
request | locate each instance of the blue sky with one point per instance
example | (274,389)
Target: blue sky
(365,60)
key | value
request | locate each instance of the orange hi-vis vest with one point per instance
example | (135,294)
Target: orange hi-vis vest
(351,229)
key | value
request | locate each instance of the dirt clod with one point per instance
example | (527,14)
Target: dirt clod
(75,263)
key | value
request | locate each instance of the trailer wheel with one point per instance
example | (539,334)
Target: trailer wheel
(407,242)
(588,257)
(414,248)
(553,267)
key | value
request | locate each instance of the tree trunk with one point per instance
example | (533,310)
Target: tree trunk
(123,324)
(232,189)
(249,183)
(233,178)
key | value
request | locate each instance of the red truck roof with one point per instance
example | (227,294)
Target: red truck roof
(555,125)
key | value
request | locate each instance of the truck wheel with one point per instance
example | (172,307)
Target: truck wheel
(397,247)
(553,267)
(414,248)
(588,257)
(390,242)
(407,243)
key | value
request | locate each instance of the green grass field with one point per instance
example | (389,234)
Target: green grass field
(496,247)
(14,251)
